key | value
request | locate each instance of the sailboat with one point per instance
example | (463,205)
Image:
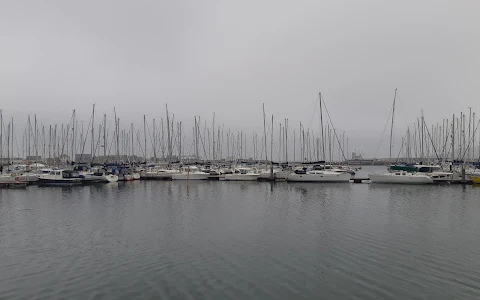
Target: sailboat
(242,174)
(319,174)
(399,177)
(190,173)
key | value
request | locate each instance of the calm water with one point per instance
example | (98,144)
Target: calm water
(228,240)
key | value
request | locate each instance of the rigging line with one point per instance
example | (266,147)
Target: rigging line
(139,142)
(86,136)
(430,137)
(399,152)
(468,146)
(334,130)
(313,115)
(403,110)
(383,134)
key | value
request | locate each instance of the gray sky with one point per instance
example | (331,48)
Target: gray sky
(229,57)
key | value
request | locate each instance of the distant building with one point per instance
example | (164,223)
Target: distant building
(356,156)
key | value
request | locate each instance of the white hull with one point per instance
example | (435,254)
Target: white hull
(125,177)
(265,175)
(329,177)
(282,174)
(241,177)
(443,176)
(160,175)
(109,178)
(136,176)
(400,179)
(191,176)
(29,178)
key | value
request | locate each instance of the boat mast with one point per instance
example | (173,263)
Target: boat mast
(132,157)
(169,145)
(213,138)
(321,128)
(36,138)
(8,144)
(145,137)
(154,142)
(286,140)
(13,154)
(105,137)
(453,138)
(294,142)
(391,128)
(469,133)
(29,126)
(265,133)
(473,137)
(180,141)
(93,134)
(43,134)
(73,137)
(197,153)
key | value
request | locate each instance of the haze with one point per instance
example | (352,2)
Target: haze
(229,57)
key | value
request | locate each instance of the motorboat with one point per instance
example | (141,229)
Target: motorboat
(60,178)
(436,173)
(90,175)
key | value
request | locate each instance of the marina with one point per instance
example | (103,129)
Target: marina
(445,153)
(232,150)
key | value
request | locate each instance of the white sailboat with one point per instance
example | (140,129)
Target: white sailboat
(158,174)
(190,173)
(401,177)
(318,176)
(242,174)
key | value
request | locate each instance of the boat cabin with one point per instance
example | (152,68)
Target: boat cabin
(64,174)
(242,171)
(81,168)
(429,169)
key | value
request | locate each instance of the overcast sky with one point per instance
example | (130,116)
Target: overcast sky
(229,57)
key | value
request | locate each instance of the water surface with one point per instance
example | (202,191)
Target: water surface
(240,240)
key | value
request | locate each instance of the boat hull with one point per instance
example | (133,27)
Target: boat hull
(475,179)
(340,177)
(101,178)
(162,175)
(60,182)
(400,179)
(191,176)
(241,177)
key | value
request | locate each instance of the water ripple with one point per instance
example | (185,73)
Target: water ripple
(239,240)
